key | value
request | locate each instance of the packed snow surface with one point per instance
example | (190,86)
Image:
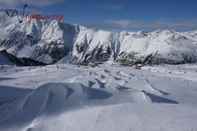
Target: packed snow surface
(108,97)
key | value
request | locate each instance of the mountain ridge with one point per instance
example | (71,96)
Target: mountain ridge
(50,41)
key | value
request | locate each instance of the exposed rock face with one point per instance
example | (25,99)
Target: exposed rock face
(50,41)
(92,46)
(9,59)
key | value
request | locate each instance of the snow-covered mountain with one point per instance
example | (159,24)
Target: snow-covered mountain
(51,41)
(44,41)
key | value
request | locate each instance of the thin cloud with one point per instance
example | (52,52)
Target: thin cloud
(113,7)
(145,25)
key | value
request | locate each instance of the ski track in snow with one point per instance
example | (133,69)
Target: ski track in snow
(32,97)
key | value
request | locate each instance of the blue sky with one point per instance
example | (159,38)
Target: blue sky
(121,14)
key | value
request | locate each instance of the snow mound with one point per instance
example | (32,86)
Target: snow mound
(19,105)
(51,98)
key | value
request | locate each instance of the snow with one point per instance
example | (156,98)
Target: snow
(124,117)
(107,97)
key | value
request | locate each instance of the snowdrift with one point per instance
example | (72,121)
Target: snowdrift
(19,105)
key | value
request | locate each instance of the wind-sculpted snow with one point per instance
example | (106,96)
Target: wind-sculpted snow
(50,41)
(107,98)
(20,106)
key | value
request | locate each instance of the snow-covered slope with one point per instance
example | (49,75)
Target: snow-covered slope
(166,47)
(51,41)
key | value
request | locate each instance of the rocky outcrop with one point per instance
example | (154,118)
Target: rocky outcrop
(13,60)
